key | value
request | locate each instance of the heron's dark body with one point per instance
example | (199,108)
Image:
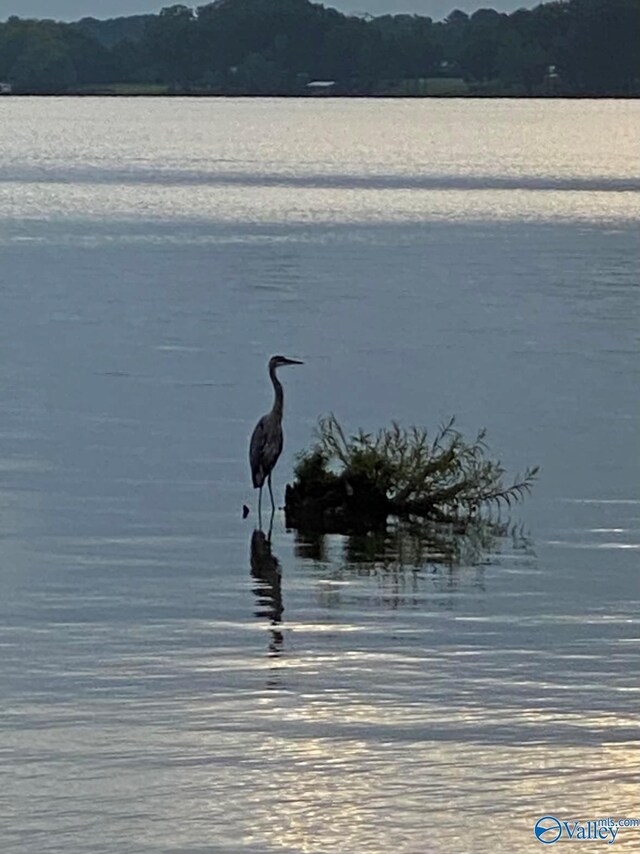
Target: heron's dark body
(265,448)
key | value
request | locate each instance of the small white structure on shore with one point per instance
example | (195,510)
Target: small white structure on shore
(5,88)
(321,87)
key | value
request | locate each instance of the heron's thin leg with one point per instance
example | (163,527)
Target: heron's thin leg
(260,508)
(273,504)
(273,512)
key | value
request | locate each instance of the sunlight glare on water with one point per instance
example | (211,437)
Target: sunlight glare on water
(322,162)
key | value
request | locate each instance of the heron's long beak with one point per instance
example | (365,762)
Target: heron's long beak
(292,361)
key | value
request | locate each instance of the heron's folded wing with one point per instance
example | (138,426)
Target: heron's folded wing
(256,452)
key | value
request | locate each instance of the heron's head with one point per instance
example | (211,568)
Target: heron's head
(280,361)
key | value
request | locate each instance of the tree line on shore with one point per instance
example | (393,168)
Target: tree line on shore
(583,48)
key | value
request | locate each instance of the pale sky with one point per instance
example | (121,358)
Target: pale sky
(71,10)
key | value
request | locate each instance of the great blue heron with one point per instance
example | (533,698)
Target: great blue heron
(266,440)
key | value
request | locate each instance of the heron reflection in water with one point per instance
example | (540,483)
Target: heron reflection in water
(265,568)
(266,440)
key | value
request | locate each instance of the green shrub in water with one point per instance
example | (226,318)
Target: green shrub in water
(443,477)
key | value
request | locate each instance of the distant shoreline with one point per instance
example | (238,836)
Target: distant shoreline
(332,97)
(575,49)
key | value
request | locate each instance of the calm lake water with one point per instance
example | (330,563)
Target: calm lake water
(424,259)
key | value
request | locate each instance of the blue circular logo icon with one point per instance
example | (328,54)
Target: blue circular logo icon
(548,829)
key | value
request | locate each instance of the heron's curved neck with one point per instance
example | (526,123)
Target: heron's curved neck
(277,387)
